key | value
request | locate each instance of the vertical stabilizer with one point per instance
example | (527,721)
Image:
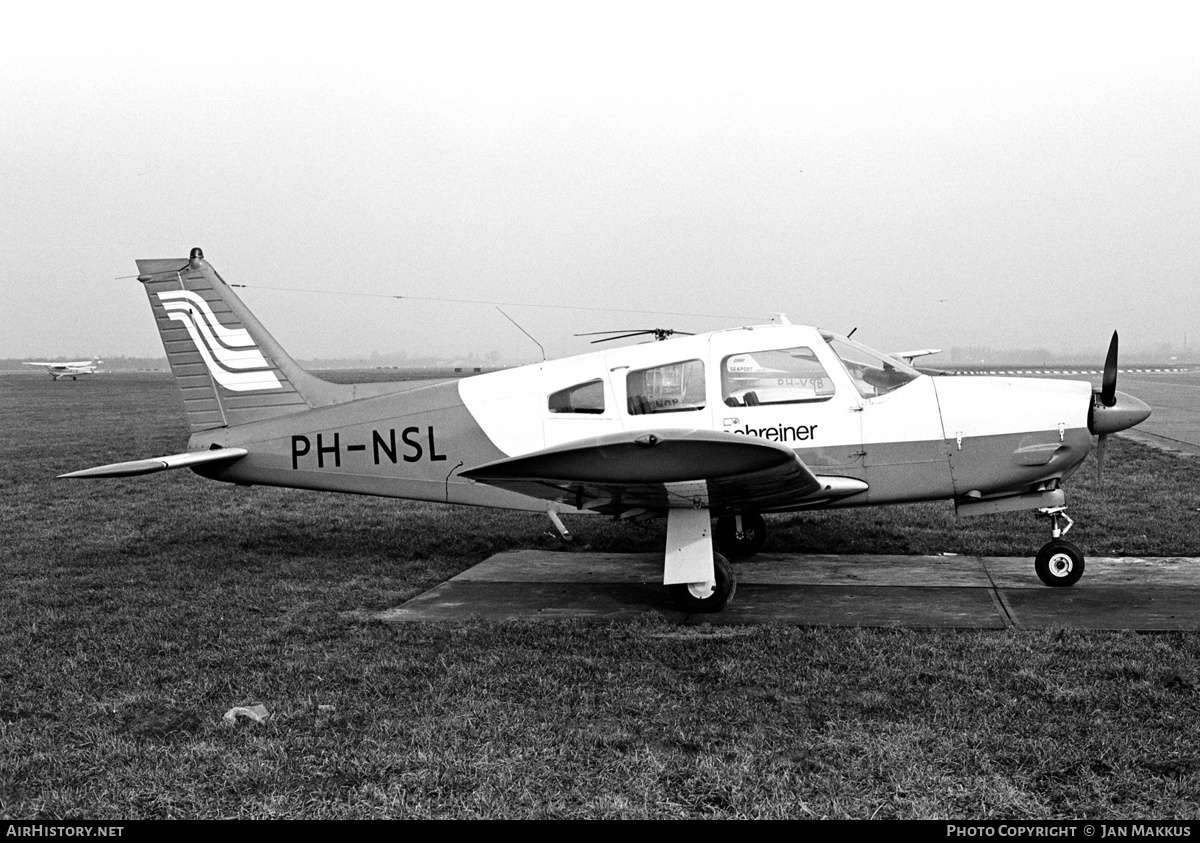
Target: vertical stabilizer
(229,368)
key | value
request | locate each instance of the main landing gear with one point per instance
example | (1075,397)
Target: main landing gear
(691,537)
(707,596)
(1059,563)
(740,535)
(697,578)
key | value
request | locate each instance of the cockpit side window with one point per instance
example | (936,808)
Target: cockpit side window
(786,376)
(673,388)
(581,398)
(874,374)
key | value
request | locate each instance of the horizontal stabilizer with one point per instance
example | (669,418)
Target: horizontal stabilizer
(136,467)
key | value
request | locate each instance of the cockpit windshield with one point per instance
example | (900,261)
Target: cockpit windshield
(874,374)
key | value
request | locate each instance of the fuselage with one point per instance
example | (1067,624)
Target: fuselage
(845,410)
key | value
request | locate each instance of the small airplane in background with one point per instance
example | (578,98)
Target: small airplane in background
(58,371)
(726,425)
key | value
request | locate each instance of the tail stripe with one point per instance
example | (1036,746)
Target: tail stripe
(229,337)
(204,328)
(233,381)
(206,325)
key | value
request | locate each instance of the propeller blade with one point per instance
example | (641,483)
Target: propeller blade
(1108,389)
(1100,457)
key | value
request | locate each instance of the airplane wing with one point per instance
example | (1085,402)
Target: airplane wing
(136,467)
(665,469)
(909,356)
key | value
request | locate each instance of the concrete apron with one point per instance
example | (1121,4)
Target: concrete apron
(947,592)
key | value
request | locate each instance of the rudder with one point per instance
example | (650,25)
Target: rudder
(229,369)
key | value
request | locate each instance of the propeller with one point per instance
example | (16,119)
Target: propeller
(1112,411)
(1108,387)
(659,334)
(1107,396)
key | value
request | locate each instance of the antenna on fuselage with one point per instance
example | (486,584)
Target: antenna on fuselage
(660,334)
(526,333)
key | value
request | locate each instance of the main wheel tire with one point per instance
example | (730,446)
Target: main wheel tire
(1059,563)
(751,540)
(707,596)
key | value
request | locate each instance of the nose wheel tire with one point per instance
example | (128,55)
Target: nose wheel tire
(1059,563)
(707,596)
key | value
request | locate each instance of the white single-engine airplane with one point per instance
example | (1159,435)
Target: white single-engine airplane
(71,370)
(729,424)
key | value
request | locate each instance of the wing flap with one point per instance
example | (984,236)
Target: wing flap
(150,466)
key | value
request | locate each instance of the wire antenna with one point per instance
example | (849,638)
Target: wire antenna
(726,316)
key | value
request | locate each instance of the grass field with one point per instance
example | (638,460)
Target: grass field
(135,613)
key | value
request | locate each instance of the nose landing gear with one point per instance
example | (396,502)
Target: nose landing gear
(1059,563)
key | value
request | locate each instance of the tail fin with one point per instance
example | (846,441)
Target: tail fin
(229,368)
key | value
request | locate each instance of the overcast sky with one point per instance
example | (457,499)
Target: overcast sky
(934,174)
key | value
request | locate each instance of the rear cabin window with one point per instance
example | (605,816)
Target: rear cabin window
(788,376)
(673,388)
(581,398)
